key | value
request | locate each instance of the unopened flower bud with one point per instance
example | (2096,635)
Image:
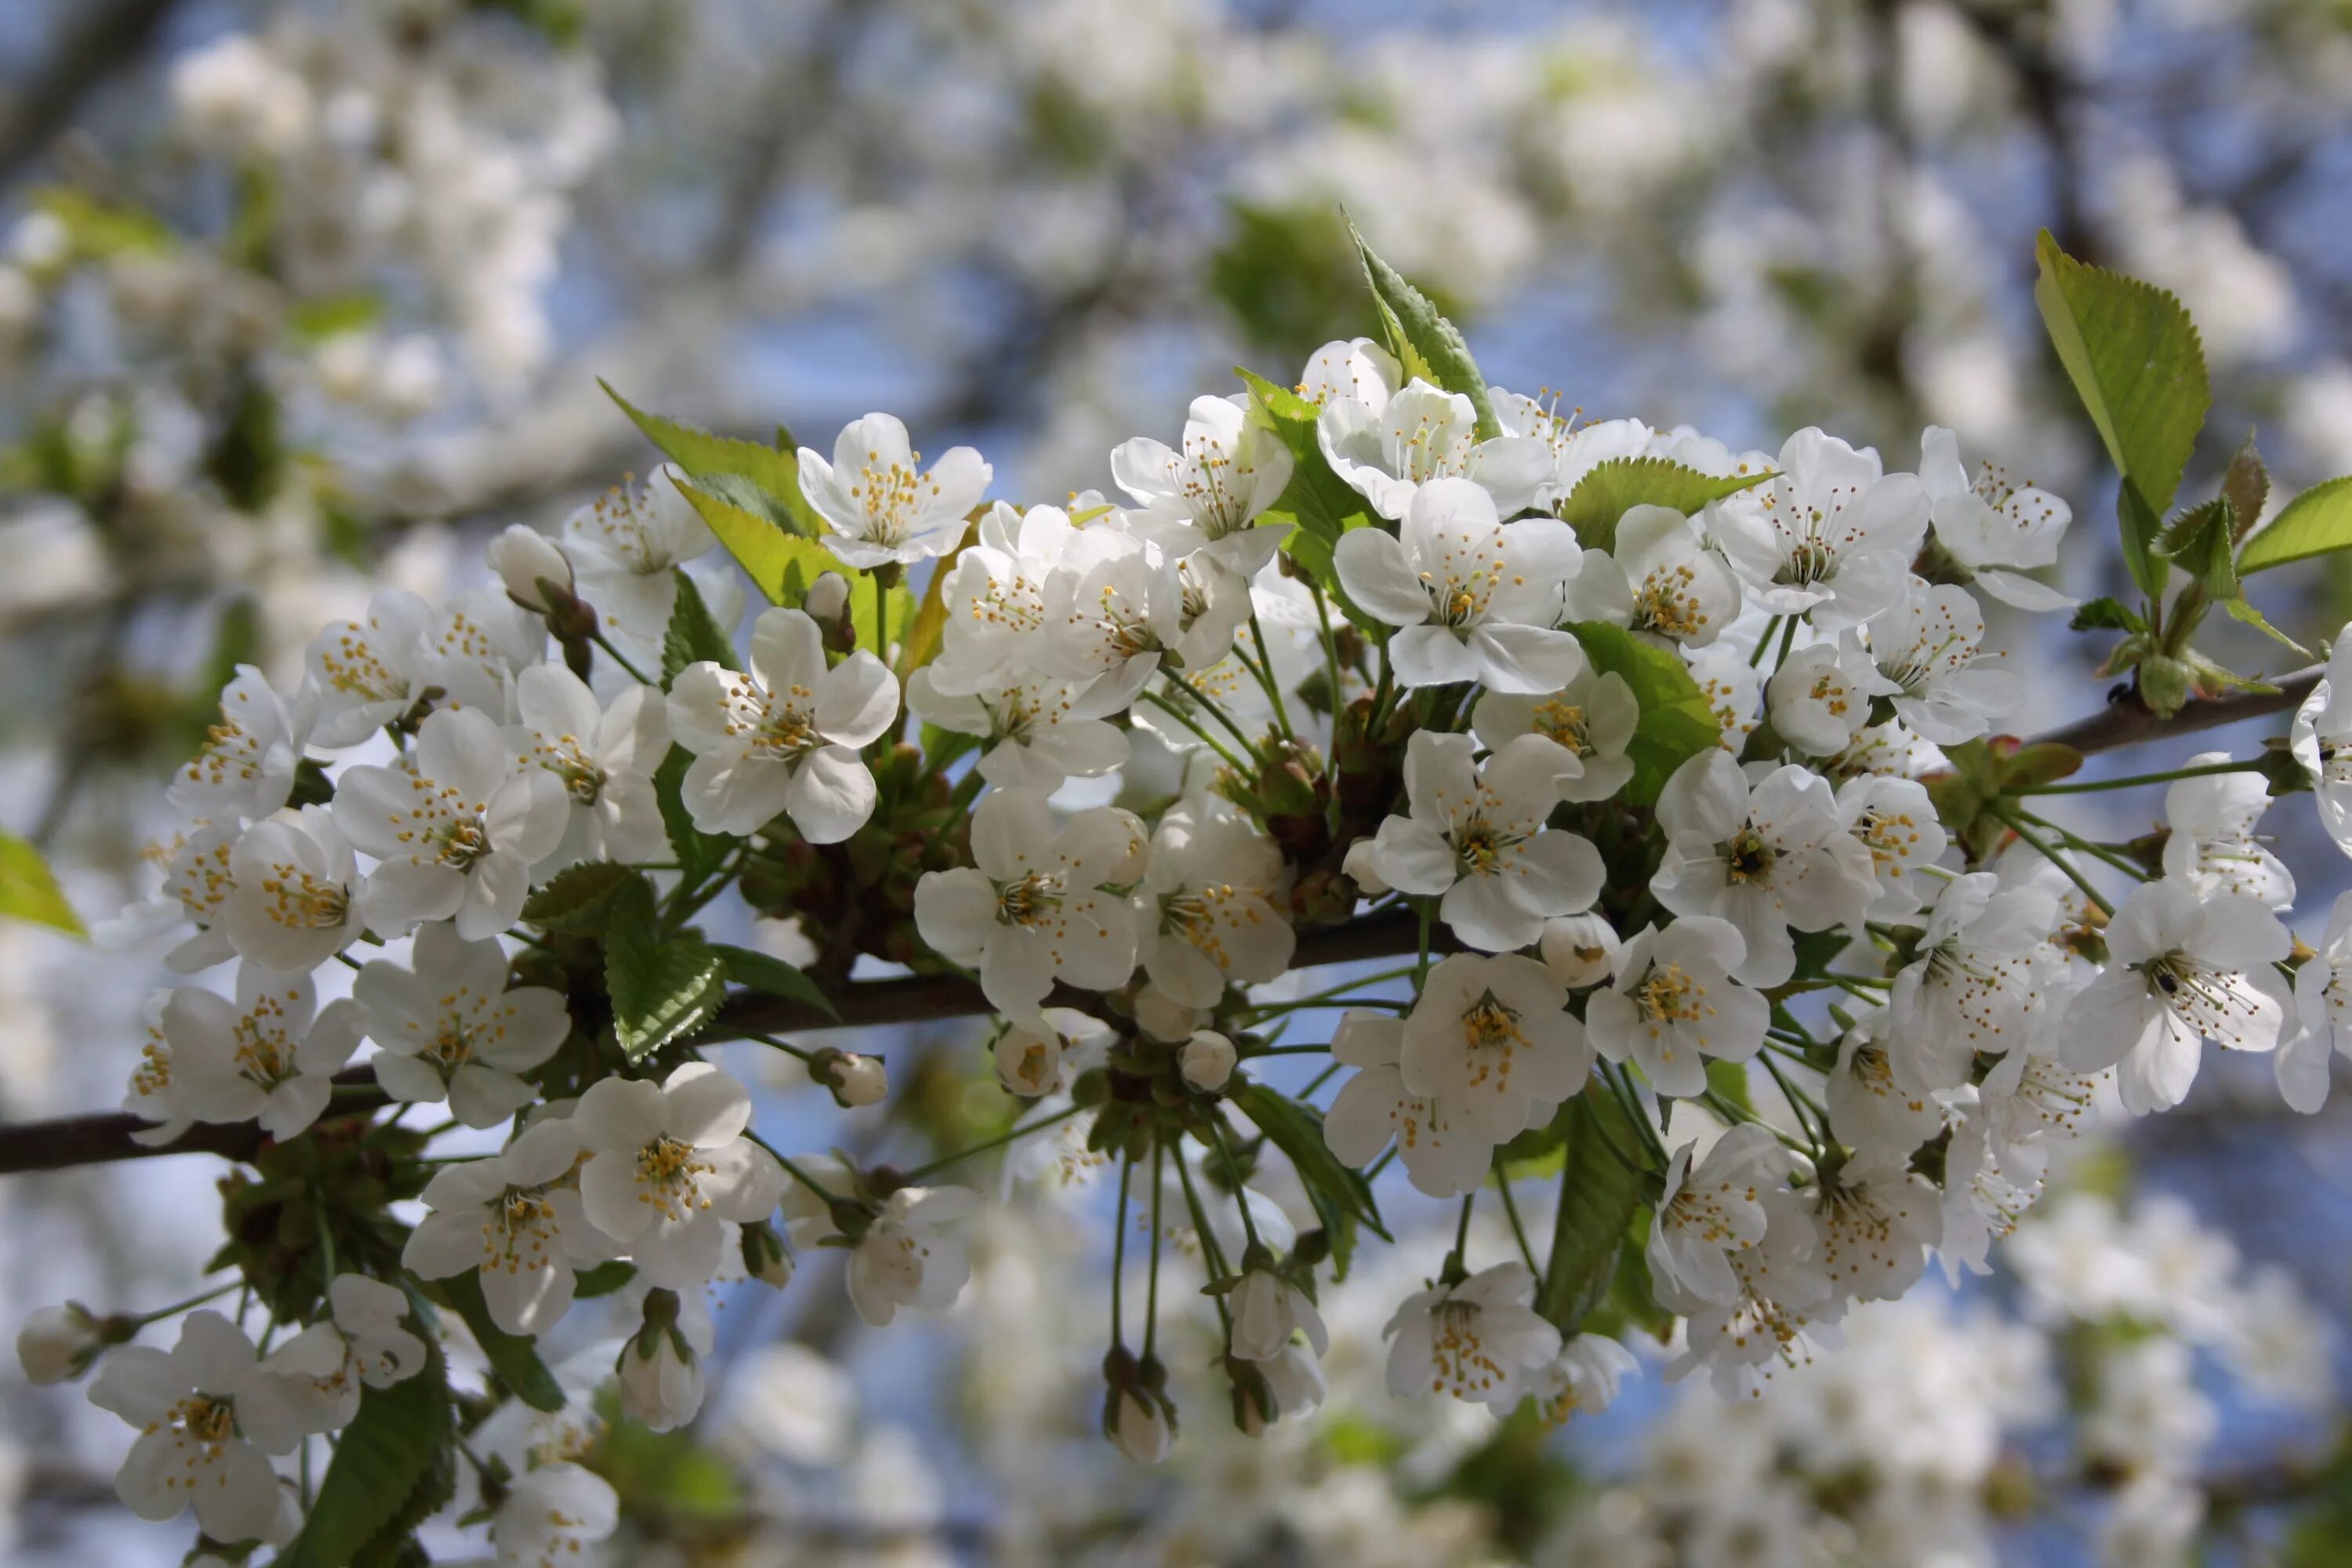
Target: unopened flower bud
(765,1257)
(1164,1018)
(1580,950)
(660,1375)
(1207,1060)
(827,598)
(536,573)
(57,1343)
(1138,1418)
(855,1080)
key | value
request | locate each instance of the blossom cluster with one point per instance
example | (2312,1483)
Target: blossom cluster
(1662,761)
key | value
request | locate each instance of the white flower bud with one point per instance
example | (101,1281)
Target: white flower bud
(1164,1018)
(765,1256)
(660,1375)
(57,1343)
(523,558)
(1580,950)
(1140,1429)
(1207,1060)
(859,1081)
(827,598)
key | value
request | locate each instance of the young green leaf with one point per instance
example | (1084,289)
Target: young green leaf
(2134,357)
(1296,1130)
(698,853)
(391,1452)
(2200,542)
(577,900)
(1318,503)
(1676,723)
(603,1279)
(1599,1197)
(693,636)
(1610,489)
(762,972)
(782,564)
(2105,614)
(664,986)
(513,1357)
(29,891)
(773,474)
(1426,343)
(2314,523)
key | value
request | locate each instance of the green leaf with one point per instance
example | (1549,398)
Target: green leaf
(1610,489)
(390,1457)
(1729,1079)
(2105,614)
(1677,722)
(1632,1293)
(926,632)
(663,985)
(2200,542)
(99,231)
(336,314)
(899,605)
(764,972)
(578,898)
(698,853)
(2247,615)
(1425,341)
(29,891)
(2134,357)
(2247,484)
(782,564)
(1338,1191)
(1318,503)
(2314,523)
(603,1279)
(1599,1197)
(692,635)
(772,474)
(513,1357)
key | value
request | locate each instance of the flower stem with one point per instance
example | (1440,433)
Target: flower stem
(1186,719)
(1241,1188)
(617,657)
(2202,770)
(1511,1210)
(1266,673)
(1118,1249)
(2017,826)
(784,1046)
(919,1172)
(1152,1287)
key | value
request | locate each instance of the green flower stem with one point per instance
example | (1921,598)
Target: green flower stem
(1241,1194)
(2017,824)
(1118,1250)
(1152,1289)
(2129,780)
(784,1046)
(1511,1209)
(1186,719)
(1264,667)
(919,1172)
(617,657)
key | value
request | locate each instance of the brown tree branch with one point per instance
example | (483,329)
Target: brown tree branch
(921,998)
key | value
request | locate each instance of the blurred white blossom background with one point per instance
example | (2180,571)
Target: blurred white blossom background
(304,300)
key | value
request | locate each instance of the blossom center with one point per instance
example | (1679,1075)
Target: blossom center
(1459,1355)
(210,1421)
(1028,900)
(301,901)
(1747,857)
(669,1172)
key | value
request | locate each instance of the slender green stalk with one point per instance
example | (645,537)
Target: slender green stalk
(919,1172)
(1340,989)
(792,1170)
(2018,825)
(2131,781)
(786,1046)
(1186,719)
(191,1303)
(1118,1250)
(1511,1210)
(1240,1198)
(1152,1289)
(1266,673)
(617,657)
(1763,641)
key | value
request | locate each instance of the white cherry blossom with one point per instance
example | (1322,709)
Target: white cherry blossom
(246,767)
(517,1216)
(1207,495)
(2212,846)
(1442,1155)
(1480,1341)
(1038,731)
(1357,369)
(406,654)
(1819,699)
(295,899)
(360,1343)
(1994,531)
(1976,986)
(884,506)
(2181,970)
(1659,579)
(2321,740)
(1591,717)
(603,755)
(1893,820)
(1583,1379)
(1492,1039)
(1422,434)
(210,1417)
(1267,1310)
(1674,1002)
(1475,598)
(1712,1207)
(1034,1062)
(906,1258)
(270,1056)
(995,598)
(783,739)
(627,546)
(1829,536)
(1210,908)
(1476,840)
(1766,859)
(1876,1218)
(1032,908)
(668,1162)
(455,826)
(1868,1108)
(1925,651)
(446,1027)
(2323,1001)
(552,1512)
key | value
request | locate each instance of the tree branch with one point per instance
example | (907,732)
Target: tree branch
(922,998)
